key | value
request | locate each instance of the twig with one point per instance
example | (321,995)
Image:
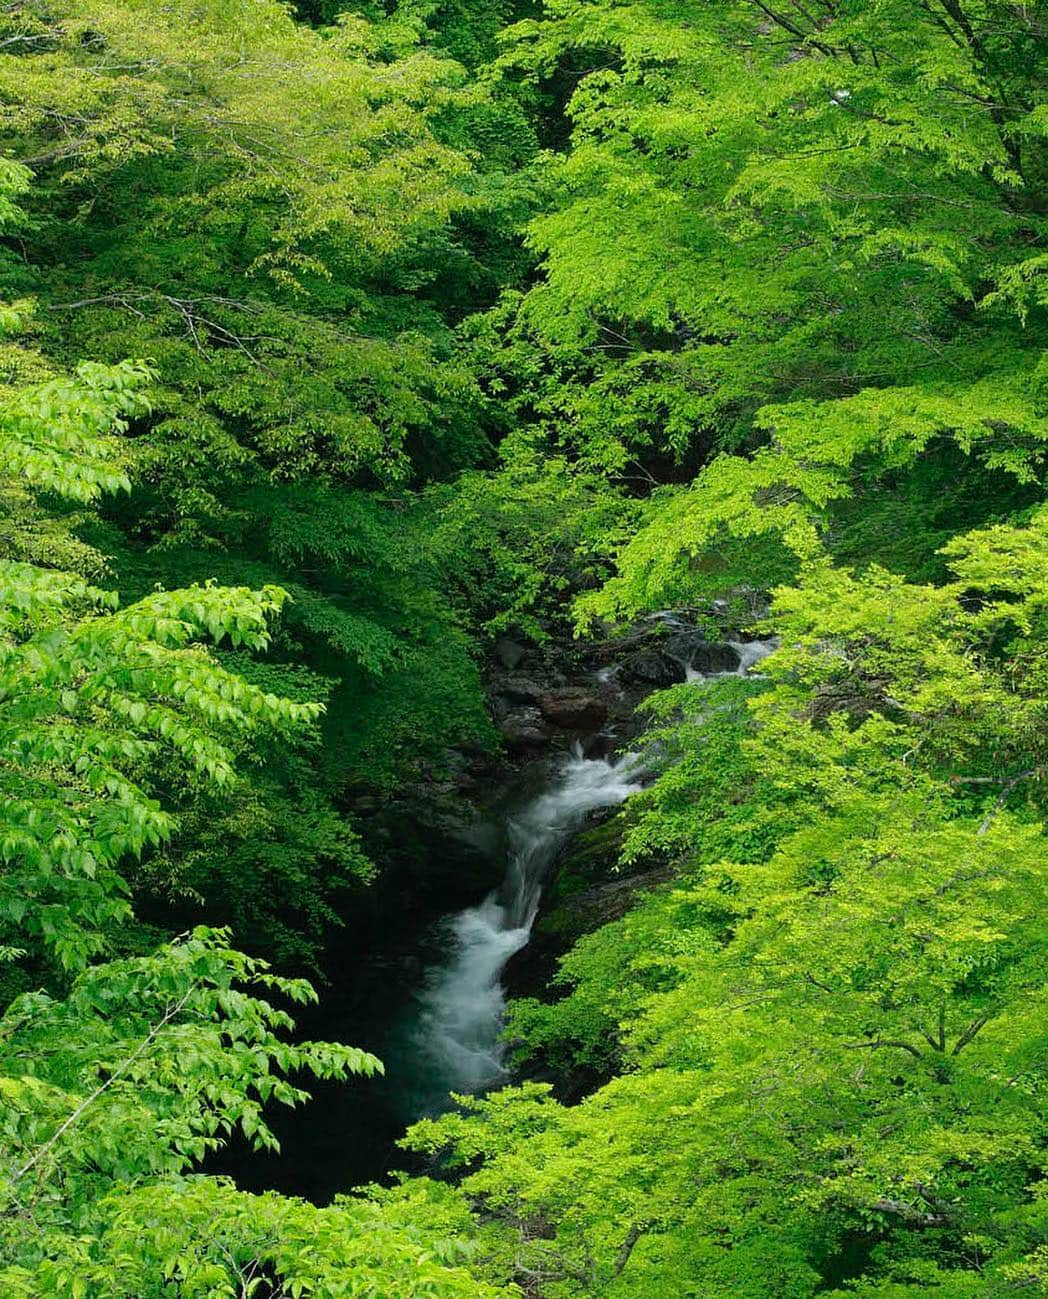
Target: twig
(150,1037)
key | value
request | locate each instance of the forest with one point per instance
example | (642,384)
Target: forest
(394,395)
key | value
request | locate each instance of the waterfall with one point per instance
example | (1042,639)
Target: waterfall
(462,1003)
(455,1035)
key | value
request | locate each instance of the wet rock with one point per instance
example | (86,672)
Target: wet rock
(653,667)
(668,662)
(524,729)
(436,852)
(705,656)
(520,689)
(574,709)
(588,889)
(510,653)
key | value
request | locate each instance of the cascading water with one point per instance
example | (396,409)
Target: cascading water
(462,1004)
(456,1035)
(444,1037)
(750,653)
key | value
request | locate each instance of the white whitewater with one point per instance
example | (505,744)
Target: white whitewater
(456,1032)
(750,653)
(463,1002)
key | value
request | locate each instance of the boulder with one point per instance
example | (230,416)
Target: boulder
(510,653)
(574,709)
(667,663)
(705,656)
(653,667)
(524,729)
(520,689)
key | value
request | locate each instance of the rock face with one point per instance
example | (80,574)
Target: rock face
(524,729)
(510,653)
(519,689)
(574,709)
(588,889)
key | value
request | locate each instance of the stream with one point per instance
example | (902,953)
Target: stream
(462,1000)
(427,997)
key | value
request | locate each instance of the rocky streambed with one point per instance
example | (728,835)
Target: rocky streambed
(516,856)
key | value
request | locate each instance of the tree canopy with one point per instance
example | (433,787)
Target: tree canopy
(337,340)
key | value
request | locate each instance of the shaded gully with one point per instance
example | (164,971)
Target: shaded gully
(428,996)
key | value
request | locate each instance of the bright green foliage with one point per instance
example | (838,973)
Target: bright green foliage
(85,709)
(186,1055)
(781,499)
(272,215)
(813,229)
(784,333)
(110,1095)
(94,698)
(521,542)
(833,1024)
(795,250)
(262,262)
(285,222)
(201,1239)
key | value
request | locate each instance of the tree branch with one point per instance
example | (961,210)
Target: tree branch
(1000,801)
(623,1256)
(150,1037)
(883,1042)
(974,1028)
(780,20)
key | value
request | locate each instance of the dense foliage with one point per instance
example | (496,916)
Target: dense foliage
(274,219)
(337,339)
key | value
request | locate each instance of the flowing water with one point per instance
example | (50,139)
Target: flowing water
(750,653)
(456,1035)
(462,1002)
(429,1000)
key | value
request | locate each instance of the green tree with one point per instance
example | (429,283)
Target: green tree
(769,221)
(831,1025)
(791,283)
(293,287)
(112,1093)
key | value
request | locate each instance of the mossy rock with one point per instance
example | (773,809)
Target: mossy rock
(592,857)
